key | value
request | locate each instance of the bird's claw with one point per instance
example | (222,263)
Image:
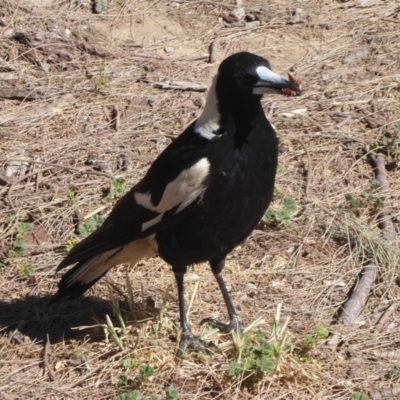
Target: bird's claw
(190,341)
(233,325)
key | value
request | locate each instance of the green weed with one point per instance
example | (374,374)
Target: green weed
(171,393)
(26,270)
(91,225)
(19,245)
(358,396)
(255,356)
(117,189)
(283,214)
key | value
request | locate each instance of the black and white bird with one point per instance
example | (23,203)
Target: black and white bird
(201,197)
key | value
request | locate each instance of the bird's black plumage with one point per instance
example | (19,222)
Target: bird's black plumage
(201,197)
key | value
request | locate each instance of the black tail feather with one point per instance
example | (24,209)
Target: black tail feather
(75,289)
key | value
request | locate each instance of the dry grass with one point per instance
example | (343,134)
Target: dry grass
(77,71)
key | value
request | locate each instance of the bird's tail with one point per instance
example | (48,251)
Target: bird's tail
(84,275)
(90,269)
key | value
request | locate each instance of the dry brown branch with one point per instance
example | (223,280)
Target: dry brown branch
(343,123)
(51,108)
(13,93)
(309,170)
(39,171)
(352,307)
(214,50)
(380,171)
(22,178)
(179,85)
(391,393)
(388,231)
(393,355)
(386,315)
(166,58)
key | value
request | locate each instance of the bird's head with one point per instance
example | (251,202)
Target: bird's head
(246,73)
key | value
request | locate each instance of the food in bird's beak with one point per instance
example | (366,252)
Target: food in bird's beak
(295,81)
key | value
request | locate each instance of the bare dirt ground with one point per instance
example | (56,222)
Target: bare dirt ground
(81,120)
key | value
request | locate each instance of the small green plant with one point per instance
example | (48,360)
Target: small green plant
(395,371)
(26,270)
(113,333)
(255,356)
(145,371)
(71,243)
(321,332)
(158,326)
(129,363)
(118,188)
(389,144)
(283,214)
(123,380)
(100,79)
(171,393)
(134,395)
(358,396)
(71,195)
(19,245)
(311,340)
(364,201)
(91,225)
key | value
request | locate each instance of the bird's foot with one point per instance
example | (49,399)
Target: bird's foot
(233,325)
(190,341)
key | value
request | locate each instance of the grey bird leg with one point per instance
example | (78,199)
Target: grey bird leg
(234,324)
(188,340)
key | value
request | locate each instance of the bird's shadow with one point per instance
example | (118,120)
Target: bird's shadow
(35,318)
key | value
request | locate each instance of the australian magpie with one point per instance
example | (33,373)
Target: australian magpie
(201,197)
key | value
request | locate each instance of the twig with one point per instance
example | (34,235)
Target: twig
(392,355)
(397,21)
(344,122)
(217,4)
(386,315)
(36,171)
(4,180)
(180,85)
(390,393)
(13,93)
(356,302)
(380,171)
(271,109)
(309,172)
(214,50)
(46,360)
(386,225)
(167,58)
(22,178)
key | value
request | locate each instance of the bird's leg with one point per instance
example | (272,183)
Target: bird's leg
(234,324)
(188,340)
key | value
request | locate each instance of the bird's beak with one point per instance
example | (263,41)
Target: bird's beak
(270,82)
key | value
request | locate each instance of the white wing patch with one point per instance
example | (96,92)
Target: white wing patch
(208,122)
(182,191)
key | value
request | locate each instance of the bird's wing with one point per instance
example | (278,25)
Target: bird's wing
(174,183)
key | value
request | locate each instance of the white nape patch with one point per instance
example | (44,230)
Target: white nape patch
(131,253)
(208,122)
(182,191)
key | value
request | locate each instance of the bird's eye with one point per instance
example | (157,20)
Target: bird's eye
(238,79)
